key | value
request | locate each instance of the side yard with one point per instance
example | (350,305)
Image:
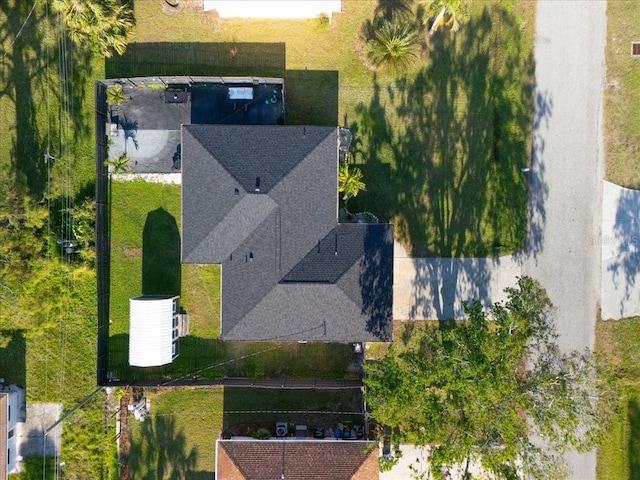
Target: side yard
(46,106)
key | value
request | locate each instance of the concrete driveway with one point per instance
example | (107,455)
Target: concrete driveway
(436,288)
(620,244)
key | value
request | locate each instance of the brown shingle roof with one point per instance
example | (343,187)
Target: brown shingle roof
(298,460)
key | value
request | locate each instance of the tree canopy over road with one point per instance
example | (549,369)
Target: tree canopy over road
(481,391)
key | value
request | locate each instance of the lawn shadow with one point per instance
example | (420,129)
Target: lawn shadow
(161,268)
(311,96)
(13,358)
(625,267)
(459,160)
(162,450)
(23,64)
(40,78)
(247,409)
(199,359)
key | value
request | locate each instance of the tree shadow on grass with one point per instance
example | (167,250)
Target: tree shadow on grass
(457,149)
(161,451)
(30,77)
(161,268)
(200,358)
(266,406)
(311,95)
(13,358)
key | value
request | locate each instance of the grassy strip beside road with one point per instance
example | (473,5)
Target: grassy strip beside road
(618,344)
(622,96)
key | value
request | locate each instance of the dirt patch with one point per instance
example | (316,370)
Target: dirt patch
(133,252)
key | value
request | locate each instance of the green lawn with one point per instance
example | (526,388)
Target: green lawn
(618,343)
(622,96)
(178,440)
(46,100)
(145,258)
(441,146)
(179,436)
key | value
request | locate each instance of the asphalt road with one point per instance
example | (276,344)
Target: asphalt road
(566,173)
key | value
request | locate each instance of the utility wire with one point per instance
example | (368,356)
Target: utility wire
(21,28)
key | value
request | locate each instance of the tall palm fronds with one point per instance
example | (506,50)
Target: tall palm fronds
(115,95)
(350,181)
(119,165)
(103,25)
(394,46)
(447,13)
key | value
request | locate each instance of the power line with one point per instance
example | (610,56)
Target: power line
(21,28)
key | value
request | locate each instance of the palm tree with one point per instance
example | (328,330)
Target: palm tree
(447,13)
(350,181)
(119,165)
(102,24)
(115,95)
(394,46)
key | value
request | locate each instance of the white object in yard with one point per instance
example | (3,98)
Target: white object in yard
(153,330)
(273,8)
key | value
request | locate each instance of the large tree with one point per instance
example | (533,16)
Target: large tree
(103,25)
(487,390)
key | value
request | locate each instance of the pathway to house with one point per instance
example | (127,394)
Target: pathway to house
(563,250)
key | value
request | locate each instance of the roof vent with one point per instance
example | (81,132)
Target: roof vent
(257,184)
(237,191)
(635,49)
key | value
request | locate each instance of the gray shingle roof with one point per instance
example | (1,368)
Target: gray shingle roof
(289,270)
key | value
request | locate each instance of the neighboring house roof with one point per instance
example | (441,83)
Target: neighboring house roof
(262,201)
(151,328)
(297,460)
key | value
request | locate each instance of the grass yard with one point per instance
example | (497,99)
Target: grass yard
(618,343)
(178,439)
(622,96)
(145,258)
(441,146)
(46,101)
